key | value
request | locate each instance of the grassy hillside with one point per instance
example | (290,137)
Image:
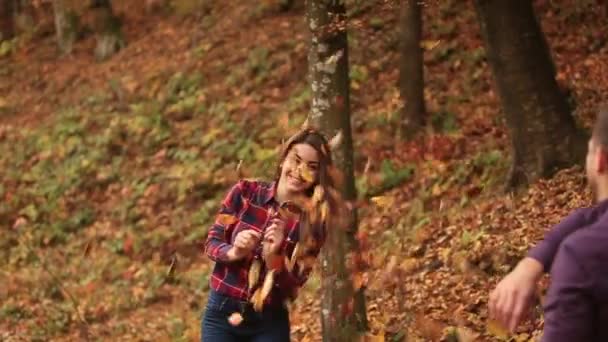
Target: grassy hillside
(112,172)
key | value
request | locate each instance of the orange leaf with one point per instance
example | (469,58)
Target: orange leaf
(226,219)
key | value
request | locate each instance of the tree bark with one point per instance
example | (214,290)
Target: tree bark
(411,77)
(7,23)
(108,30)
(544,134)
(66,26)
(343,313)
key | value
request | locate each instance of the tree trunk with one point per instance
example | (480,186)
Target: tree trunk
(107,27)
(411,78)
(343,313)
(543,132)
(66,26)
(7,24)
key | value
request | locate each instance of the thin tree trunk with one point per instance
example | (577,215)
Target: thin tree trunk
(411,78)
(343,313)
(543,132)
(65,26)
(108,30)
(7,23)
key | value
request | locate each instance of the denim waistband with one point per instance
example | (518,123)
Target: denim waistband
(222,302)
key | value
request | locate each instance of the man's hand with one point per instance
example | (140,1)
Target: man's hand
(513,295)
(244,243)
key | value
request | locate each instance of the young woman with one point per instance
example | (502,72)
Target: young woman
(253,227)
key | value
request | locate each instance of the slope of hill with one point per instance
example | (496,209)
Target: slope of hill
(112,171)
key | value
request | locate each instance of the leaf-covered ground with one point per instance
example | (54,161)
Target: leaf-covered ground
(112,172)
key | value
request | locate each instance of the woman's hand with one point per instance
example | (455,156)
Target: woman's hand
(244,243)
(274,236)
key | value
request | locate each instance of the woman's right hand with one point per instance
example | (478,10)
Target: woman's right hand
(244,243)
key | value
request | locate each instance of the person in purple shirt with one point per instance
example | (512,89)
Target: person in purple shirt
(575,251)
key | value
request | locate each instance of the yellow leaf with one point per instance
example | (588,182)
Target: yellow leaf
(254,273)
(235,319)
(496,329)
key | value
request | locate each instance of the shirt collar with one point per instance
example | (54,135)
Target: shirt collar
(270,195)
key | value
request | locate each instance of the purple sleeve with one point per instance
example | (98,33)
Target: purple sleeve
(569,304)
(545,251)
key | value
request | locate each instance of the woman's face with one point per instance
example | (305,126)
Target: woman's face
(300,169)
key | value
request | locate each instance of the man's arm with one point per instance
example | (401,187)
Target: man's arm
(546,250)
(569,306)
(511,298)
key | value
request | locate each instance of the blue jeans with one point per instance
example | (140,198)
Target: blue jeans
(270,325)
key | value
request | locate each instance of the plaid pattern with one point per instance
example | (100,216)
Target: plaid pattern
(248,202)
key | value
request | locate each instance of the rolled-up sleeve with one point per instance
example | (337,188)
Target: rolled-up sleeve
(218,237)
(569,305)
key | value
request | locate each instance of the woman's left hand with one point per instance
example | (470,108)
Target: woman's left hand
(274,236)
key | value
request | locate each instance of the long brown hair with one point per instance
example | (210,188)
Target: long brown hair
(322,205)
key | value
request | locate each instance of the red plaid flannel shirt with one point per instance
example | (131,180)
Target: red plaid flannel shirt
(249,202)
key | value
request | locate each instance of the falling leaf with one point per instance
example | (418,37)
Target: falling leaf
(171,269)
(324,211)
(429,44)
(235,319)
(335,142)
(254,273)
(294,257)
(496,329)
(267,286)
(318,194)
(226,219)
(257,300)
(358,280)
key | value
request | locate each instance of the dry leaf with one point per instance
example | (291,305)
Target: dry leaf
(235,319)
(324,211)
(383,201)
(496,329)
(254,273)
(335,142)
(267,286)
(358,280)
(257,300)
(226,219)
(466,335)
(318,194)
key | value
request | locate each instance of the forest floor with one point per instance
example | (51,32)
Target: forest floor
(112,172)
